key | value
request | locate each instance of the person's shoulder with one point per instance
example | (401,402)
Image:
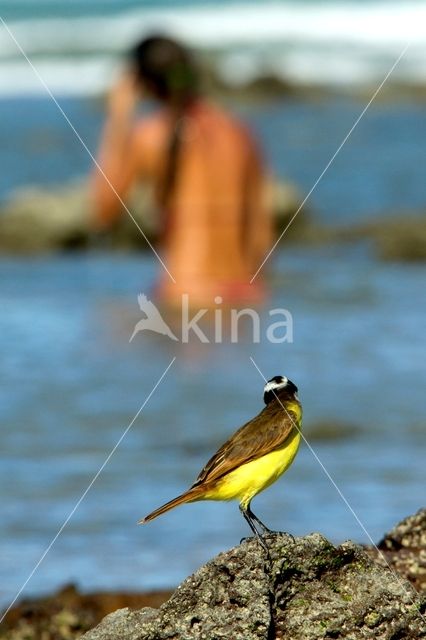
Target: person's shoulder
(226,118)
(151,129)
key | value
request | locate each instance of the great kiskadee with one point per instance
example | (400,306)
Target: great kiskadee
(253,458)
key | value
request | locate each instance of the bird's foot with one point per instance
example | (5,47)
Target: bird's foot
(263,544)
(287,535)
(268,532)
(260,539)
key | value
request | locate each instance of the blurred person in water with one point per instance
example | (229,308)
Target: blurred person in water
(206,173)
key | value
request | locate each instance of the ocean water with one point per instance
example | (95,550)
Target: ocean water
(72,383)
(75,46)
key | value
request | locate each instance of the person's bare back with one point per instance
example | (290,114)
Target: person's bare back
(212,198)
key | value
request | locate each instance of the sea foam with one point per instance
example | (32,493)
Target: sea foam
(328,43)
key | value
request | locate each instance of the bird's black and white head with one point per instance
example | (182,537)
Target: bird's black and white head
(276,386)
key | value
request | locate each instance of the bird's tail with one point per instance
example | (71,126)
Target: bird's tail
(195,493)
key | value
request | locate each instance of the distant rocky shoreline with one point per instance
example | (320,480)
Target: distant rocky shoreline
(39,221)
(306,589)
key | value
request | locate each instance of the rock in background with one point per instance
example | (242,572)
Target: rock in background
(404,549)
(37,220)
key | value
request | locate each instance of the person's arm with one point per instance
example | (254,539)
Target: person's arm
(117,157)
(258,233)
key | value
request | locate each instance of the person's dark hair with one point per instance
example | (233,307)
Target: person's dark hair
(167,70)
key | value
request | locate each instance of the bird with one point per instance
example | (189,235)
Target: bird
(251,459)
(153,320)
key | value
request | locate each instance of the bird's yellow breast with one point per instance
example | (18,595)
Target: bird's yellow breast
(249,479)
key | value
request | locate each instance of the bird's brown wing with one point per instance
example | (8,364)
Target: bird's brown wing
(263,434)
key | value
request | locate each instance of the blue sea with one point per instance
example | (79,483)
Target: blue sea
(71,383)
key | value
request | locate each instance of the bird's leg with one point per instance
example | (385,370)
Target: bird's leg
(252,516)
(247,515)
(264,528)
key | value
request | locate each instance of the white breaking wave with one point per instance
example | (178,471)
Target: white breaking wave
(325,43)
(64,77)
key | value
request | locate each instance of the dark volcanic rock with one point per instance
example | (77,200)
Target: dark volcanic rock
(410,533)
(306,589)
(404,549)
(68,613)
(400,237)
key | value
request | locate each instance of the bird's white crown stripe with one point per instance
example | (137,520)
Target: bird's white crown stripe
(272,385)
